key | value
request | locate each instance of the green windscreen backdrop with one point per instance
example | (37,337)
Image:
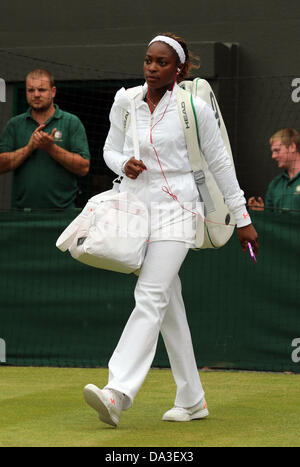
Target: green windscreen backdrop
(56,311)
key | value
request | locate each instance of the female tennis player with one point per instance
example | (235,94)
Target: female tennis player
(161,178)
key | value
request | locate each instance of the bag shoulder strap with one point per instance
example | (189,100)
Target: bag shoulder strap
(128,117)
(190,128)
(200,87)
(132,93)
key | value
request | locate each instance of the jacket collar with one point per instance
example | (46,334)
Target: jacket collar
(138,93)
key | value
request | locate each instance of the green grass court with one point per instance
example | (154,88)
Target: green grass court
(45,407)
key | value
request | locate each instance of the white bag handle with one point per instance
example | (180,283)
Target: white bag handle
(132,94)
(134,131)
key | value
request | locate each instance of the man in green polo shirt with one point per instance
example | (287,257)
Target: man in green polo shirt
(46,148)
(283,192)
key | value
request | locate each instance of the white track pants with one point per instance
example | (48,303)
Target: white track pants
(159,308)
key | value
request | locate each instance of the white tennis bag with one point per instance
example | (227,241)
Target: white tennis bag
(110,233)
(112,230)
(218,226)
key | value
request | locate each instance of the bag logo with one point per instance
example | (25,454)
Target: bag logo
(81,240)
(185,117)
(125,120)
(215,108)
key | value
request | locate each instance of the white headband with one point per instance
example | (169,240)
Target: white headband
(173,43)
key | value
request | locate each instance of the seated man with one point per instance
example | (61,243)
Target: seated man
(46,148)
(284,190)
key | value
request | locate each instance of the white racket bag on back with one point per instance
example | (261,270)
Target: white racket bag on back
(217,226)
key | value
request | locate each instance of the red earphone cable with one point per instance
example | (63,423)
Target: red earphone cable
(167,188)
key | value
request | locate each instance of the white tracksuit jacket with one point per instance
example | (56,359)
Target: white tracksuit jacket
(169,141)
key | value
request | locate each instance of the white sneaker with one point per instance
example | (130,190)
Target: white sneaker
(179,414)
(106,402)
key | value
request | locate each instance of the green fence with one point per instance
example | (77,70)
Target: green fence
(58,312)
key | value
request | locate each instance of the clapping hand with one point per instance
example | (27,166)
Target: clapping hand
(256,204)
(42,139)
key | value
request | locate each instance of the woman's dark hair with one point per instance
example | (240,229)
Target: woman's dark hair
(191,62)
